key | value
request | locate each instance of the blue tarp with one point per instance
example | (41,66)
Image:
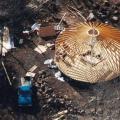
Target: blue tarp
(25,95)
(25,88)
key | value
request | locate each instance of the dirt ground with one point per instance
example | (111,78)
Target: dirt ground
(76,100)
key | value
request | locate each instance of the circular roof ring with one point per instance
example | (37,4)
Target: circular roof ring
(93,32)
(80,61)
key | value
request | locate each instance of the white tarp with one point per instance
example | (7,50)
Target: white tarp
(6,42)
(59,77)
(35,26)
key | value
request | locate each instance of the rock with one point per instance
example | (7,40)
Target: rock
(37,4)
(92,110)
(43,76)
(62,101)
(53,95)
(66,97)
(44,73)
(81,111)
(99,110)
(49,90)
(38,94)
(45,106)
(57,103)
(36,84)
(106,22)
(71,110)
(116,12)
(50,100)
(43,87)
(115,19)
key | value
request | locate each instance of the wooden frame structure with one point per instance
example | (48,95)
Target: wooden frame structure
(89,52)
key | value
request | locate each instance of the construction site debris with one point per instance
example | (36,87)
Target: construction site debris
(30,74)
(40,49)
(91,16)
(6,43)
(48,61)
(35,27)
(31,71)
(50,45)
(21,41)
(58,75)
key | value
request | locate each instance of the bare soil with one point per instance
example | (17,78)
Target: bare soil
(100,101)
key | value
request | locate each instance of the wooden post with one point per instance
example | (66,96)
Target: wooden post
(6,73)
